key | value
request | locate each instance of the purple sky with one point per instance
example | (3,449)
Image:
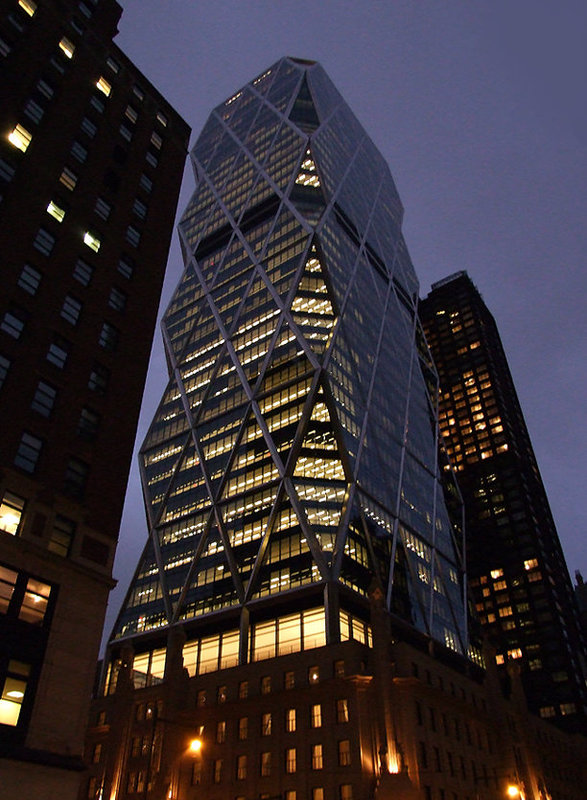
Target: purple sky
(480,112)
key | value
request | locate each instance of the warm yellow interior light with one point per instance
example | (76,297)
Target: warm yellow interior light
(103,85)
(67,47)
(20,138)
(29,6)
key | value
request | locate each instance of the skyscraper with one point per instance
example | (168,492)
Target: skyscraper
(297,627)
(515,562)
(91,159)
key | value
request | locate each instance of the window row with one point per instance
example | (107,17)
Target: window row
(14,322)
(266,765)
(12,515)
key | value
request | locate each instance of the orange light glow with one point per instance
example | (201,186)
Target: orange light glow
(195,745)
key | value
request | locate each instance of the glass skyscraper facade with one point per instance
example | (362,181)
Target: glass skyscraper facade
(292,464)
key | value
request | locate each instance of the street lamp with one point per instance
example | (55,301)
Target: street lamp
(514,792)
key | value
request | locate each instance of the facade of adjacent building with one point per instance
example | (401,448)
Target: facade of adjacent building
(516,567)
(91,160)
(297,626)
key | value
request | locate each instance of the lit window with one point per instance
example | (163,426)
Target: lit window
(265,684)
(316,715)
(568,708)
(496,573)
(20,138)
(313,675)
(221,732)
(531,564)
(266,724)
(290,760)
(156,140)
(35,602)
(217,771)
(29,6)
(67,47)
(71,310)
(346,791)
(342,710)
(547,711)
(44,399)
(13,691)
(92,241)
(289,680)
(83,272)
(290,720)
(56,211)
(162,119)
(317,757)
(344,753)
(11,511)
(103,86)
(201,698)
(290,794)
(29,450)
(13,324)
(102,208)
(138,92)
(241,768)
(499,659)
(108,337)
(68,178)
(221,694)
(243,728)
(265,765)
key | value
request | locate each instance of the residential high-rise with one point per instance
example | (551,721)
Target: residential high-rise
(91,160)
(299,610)
(515,562)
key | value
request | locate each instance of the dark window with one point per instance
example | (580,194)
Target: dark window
(71,310)
(140,209)
(7,171)
(44,242)
(102,208)
(88,423)
(4,367)
(45,88)
(79,152)
(126,266)
(62,536)
(88,127)
(117,299)
(133,236)
(98,381)
(83,272)
(13,323)
(108,337)
(28,452)
(76,476)
(34,111)
(126,132)
(146,183)
(58,352)
(44,399)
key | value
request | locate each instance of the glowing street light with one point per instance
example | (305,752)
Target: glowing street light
(195,745)
(513,792)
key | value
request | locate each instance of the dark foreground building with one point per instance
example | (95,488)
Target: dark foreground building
(91,159)
(297,626)
(516,566)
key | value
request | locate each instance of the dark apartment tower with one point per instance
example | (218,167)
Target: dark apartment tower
(91,159)
(515,562)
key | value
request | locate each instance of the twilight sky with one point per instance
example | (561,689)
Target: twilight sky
(479,109)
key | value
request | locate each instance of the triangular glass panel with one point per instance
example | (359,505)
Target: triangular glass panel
(311,308)
(287,362)
(159,466)
(283,406)
(356,569)
(284,252)
(144,606)
(304,112)
(217,443)
(253,464)
(188,493)
(211,586)
(287,559)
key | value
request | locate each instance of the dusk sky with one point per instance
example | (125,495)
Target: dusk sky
(480,110)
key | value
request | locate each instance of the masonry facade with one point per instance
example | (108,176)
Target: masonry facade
(91,159)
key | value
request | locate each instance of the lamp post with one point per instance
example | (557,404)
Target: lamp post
(194,748)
